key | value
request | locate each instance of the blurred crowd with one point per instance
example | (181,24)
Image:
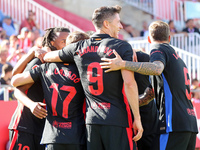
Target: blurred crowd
(15,41)
(195,89)
(129,31)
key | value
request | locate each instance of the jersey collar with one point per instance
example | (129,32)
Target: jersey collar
(100,36)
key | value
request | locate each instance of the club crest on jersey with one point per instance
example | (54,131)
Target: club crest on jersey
(35,66)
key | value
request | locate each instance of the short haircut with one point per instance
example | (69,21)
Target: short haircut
(76,36)
(50,35)
(104,13)
(159,31)
(7,68)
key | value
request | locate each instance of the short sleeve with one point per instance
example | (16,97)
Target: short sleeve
(67,53)
(126,52)
(158,55)
(35,73)
(33,64)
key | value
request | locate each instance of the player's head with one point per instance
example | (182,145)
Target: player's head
(107,20)
(55,38)
(76,36)
(159,31)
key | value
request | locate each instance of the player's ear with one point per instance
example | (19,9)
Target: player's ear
(52,43)
(105,23)
(149,40)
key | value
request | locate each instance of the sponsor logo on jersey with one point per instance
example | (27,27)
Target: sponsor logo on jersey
(100,105)
(191,112)
(64,125)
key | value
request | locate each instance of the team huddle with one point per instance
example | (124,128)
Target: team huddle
(93,92)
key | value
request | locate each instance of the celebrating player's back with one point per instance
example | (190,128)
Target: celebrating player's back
(25,128)
(65,125)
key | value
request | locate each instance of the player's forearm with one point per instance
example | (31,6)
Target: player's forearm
(22,97)
(132,97)
(145,68)
(146,97)
(21,64)
(21,79)
(52,57)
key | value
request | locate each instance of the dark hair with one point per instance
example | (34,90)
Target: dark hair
(159,31)
(76,36)
(188,20)
(6,68)
(50,35)
(104,13)
(170,21)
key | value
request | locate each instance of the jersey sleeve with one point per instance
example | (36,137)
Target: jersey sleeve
(67,53)
(33,64)
(126,52)
(158,55)
(35,73)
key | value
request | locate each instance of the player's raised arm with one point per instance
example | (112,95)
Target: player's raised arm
(21,64)
(52,56)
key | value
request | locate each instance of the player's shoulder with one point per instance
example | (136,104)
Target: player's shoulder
(33,64)
(121,44)
(160,47)
(35,61)
(142,56)
(58,65)
(120,41)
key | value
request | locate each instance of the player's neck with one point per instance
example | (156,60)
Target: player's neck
(160,42)
(102,31)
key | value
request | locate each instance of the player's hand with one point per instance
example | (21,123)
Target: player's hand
(39,53)
(112,64)
(138,130)
(38,110)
